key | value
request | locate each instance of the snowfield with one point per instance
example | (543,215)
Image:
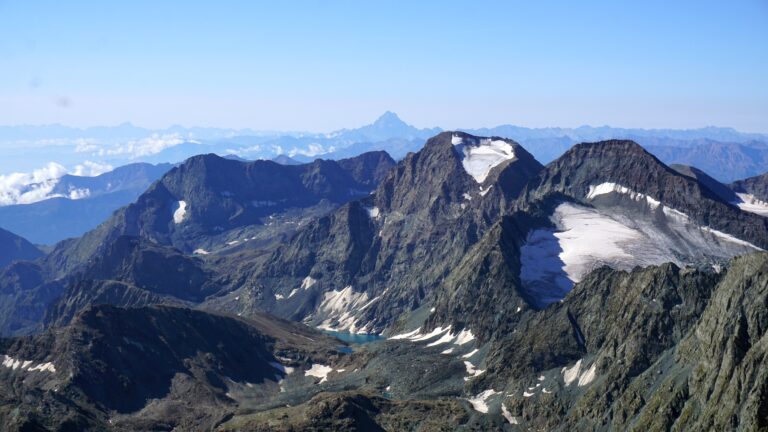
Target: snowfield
(585,238)
(180,212)
(480,157)
(338,309)
(749,203)
(479,402)
(319,371)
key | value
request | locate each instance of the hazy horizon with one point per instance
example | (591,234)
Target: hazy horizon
(332,65)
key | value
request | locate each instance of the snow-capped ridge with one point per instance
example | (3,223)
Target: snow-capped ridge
(480,156)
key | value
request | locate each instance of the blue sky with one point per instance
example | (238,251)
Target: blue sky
(323,65)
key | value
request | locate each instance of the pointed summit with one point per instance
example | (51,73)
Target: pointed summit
(388,126)
(389,119)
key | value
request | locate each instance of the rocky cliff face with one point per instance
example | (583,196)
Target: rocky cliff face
(364,265)
(626,164)
(209,202)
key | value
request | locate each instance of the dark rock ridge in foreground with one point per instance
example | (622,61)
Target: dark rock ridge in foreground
(149,368)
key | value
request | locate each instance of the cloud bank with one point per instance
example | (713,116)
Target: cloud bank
(38,185)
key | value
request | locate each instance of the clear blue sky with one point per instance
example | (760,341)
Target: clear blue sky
(322,65)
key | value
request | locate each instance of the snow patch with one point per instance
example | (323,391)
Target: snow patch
(464,336)
(319,371)
(373,212)
(470,354)
(587,377)
(479,402)
(200,252)
(443,340)
(479,157)
(339,306)
(308,282)
(586,238)
(570,374)
(507,415)
(748,203)
(406,335)
(13,364)
(434,333)
(180,212)
(472,370)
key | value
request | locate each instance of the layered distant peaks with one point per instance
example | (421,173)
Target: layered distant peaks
(13,247)
(387,126)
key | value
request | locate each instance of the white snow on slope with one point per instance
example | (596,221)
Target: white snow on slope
(507,415)
(570,374)
(587,377)
(180,212)
(472,370)
(338,308)
(14,364)
(373,212)
(200,252)
(575,373)
(319,371)
(434,333)
(446,338)
(464,336)
(406,335)
(470,354)
(585,238)
(479,402)
(606,188)
(308,282)
(480,157)
(749,203)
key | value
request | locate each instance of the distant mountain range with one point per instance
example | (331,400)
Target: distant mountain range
(744,154)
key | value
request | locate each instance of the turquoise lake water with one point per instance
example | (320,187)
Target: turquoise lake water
(354,338)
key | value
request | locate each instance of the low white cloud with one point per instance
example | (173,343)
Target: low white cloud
(311,151)
(91,169)
(25,188)
(146,146)
(38,185)
(244,151)
(85,145)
